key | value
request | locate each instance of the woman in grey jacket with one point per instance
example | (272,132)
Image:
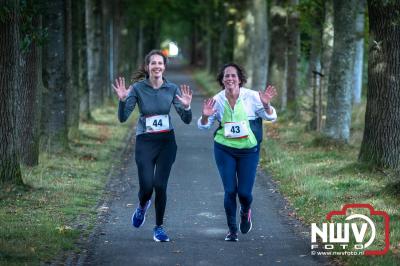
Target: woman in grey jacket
(155,148)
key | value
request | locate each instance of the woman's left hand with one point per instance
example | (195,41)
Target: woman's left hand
(186,97)
(267,95)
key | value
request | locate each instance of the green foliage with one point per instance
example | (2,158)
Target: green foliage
(31,31)
(311,18)
(4,13)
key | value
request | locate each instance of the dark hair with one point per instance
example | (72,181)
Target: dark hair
(141,73)
(240,71)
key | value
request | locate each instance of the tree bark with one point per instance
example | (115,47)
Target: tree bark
(293,52)
(278,50)
(29,93)
(381,141)
(54,78)
(339,105)
(10,172)
(83,82)
(260,51)
(327,49)
(78,29)
(71,78)
(359,53)
(95,53)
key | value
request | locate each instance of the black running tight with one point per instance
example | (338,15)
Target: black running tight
(154,155)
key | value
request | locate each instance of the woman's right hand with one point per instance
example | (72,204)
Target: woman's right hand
(120,88)
(208,108)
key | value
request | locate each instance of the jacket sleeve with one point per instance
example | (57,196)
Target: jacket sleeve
(260,111)
(126,108)
(211,120)
(186,115)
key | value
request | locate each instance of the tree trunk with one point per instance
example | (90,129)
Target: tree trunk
(260,51)
(28,115)
(106,31)
(71,75)
(83,82)
(339,106)
(94,52)
(293,52)
(381,140)
(278,49)
(78,29)
(10,172)
(54,77)
(314,74)
(359,53)
(327,49)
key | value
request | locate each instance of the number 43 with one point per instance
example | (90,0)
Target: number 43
(235,129)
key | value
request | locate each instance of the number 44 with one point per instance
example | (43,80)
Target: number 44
(157,123)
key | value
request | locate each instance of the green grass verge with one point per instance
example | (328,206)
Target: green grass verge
(38,224)
(317,177)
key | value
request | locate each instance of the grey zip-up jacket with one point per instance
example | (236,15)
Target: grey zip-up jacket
(152,102)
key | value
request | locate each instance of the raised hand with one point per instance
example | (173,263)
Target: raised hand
(120,88)
(186,97)
(267,95)
(208,107)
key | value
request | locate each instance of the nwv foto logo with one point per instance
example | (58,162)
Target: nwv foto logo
(358,226)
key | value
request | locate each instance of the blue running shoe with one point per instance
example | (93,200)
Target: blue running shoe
(245,222)
(231,237)
(160,235)
(139,216)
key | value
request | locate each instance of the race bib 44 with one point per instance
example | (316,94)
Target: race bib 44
(157,123)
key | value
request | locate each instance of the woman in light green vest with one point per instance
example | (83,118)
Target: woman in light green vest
(236,143)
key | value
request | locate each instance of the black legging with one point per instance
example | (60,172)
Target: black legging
(154,155)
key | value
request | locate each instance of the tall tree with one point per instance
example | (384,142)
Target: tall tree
(293,53)
(278,50)
(95,54)
(381,141)
(10,171)
(83,82)
(359,53)
(311,20)
(77,29)
(338,119)
(260,40)
(54,77)
(29,93)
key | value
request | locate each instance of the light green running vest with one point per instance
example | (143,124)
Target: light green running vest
(237,115)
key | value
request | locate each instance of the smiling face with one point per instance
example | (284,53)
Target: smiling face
(231,79)
(156,66)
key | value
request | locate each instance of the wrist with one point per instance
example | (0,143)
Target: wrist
(267,106)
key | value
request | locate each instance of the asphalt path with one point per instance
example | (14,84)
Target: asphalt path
(195,218)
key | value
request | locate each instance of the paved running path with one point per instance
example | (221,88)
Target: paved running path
(195,219)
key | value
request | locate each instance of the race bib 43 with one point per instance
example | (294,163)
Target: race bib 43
(235,130)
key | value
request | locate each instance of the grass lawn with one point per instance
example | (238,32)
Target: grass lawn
(317,177)
(60,205)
